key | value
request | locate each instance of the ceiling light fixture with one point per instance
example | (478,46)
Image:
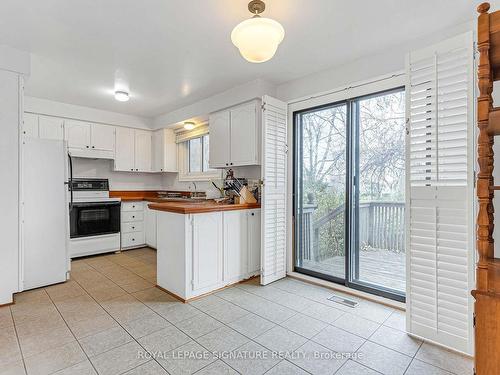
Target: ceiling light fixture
(189,125)
(122,96)
(257,38)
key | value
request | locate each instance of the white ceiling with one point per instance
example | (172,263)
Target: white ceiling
(176,52)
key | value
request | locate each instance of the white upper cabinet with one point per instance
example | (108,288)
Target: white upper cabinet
(124,152)
(164,151)
(30,125)
(133,150)
(143,142)
(245,135)
(90,140)
(77,134)
(103,138)
(235,136)
(220,133)
(51,128)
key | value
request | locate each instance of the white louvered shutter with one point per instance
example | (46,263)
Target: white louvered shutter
(274,176)
(440,256)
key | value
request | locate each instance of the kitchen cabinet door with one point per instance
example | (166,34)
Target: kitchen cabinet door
(143,143)
(51,128)
(124,152)
(207,248)
(158,153)
(170,151)
(220,133)
(30,125)
(244,143)
(77,134)
(235,245)
(150,226)
(103,137)
(254,231)
(164,151)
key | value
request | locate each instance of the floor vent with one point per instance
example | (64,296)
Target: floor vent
(343,301)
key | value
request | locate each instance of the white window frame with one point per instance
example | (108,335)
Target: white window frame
(183,164)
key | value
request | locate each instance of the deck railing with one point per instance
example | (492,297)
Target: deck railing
(381,226)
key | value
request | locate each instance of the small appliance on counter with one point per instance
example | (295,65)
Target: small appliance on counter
(94,217)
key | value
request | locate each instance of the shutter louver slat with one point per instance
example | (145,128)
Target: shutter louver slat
(274,168)
(439,111)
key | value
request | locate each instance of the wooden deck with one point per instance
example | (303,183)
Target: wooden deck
(379,267)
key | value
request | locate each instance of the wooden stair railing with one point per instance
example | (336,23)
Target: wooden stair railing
(487,292)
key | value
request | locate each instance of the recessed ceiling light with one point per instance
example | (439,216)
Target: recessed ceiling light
(189,125)
(257,38)
(121,96)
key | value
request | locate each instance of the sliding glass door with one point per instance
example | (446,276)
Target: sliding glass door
(321,157)
(349,173)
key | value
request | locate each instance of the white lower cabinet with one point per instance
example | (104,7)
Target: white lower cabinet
(241,244)
(235,245)
(253,238)
(207,251)
(150,226)
(132,225)
(200,253)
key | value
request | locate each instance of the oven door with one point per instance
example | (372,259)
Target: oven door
(94,219)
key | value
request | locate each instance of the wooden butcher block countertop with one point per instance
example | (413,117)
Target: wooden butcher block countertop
(199,207)
(180,207)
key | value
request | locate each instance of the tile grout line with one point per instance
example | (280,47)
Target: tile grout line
(17,339)
(363,300)
(191,338)
(344,312)
(276,324)
(206,312)
(332,325)
(72,333)
(119,324)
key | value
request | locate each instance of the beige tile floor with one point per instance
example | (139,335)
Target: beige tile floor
(110,316)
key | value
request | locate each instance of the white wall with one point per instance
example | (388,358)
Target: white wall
(171,181)
(100,168)
(366,68)
(236,95)
(71,111)
(12,64)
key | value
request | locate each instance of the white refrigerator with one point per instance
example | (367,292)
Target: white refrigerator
(44,213)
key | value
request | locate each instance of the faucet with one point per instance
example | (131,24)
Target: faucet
(193,193)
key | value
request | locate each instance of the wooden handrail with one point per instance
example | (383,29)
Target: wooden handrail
(485,190)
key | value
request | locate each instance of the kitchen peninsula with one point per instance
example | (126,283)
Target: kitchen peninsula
(203,246)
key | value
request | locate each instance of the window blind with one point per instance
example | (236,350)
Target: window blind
(440,260)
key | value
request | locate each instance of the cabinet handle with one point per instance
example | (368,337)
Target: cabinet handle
(133,217)
(231,163)
(131,169)
(133,239)
(93,146)
(133,227)
(227,163)
(87,146)
(253,214)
